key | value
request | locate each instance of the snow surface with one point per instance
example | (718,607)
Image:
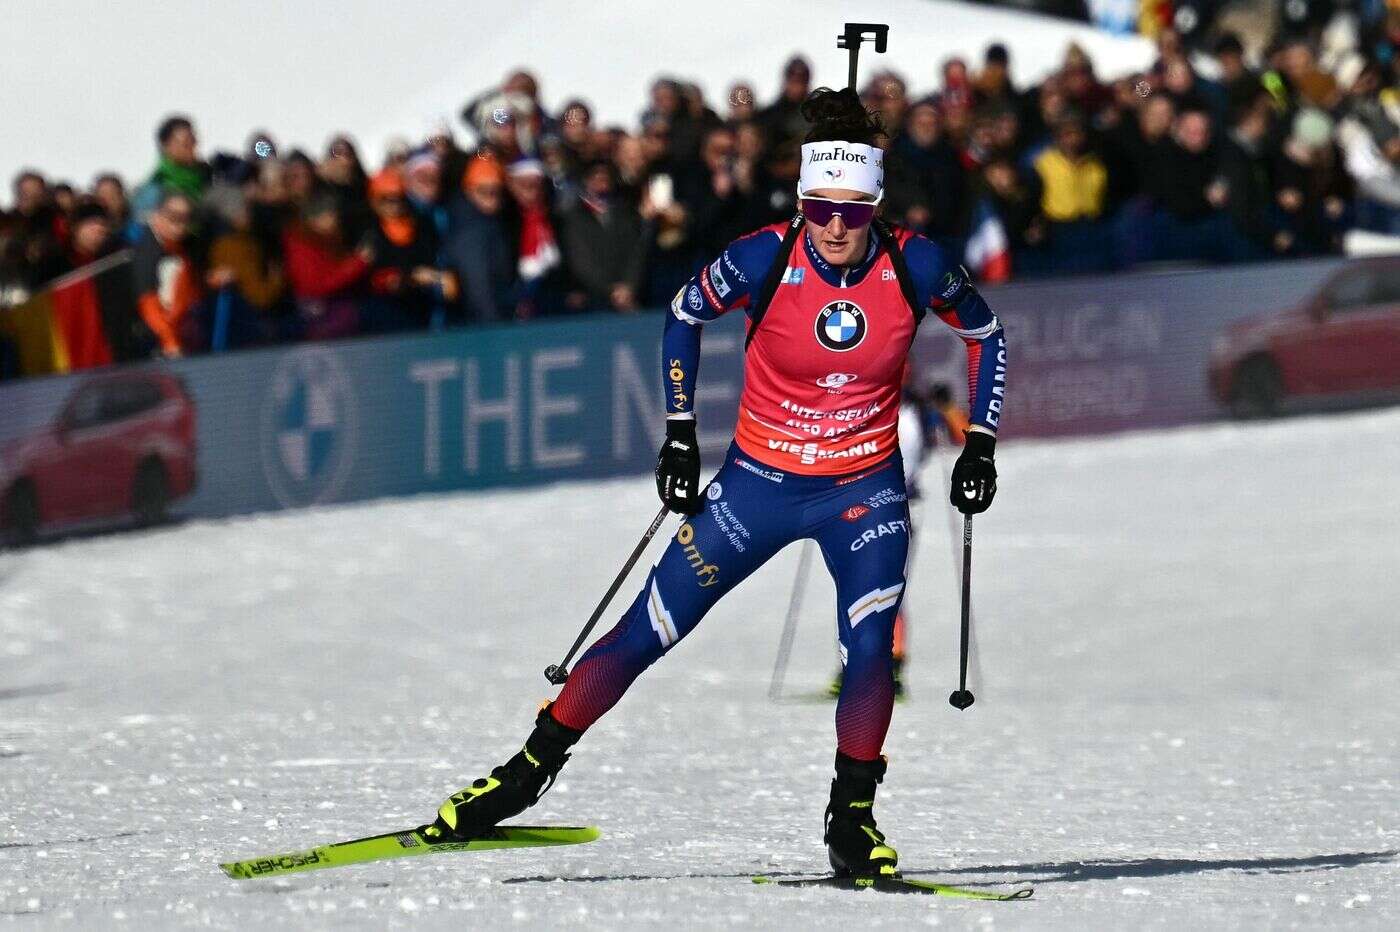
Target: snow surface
(1188,713)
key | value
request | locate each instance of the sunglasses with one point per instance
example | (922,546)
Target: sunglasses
(854,214)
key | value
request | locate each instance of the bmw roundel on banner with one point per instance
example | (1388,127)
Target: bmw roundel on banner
(841,326)
(310,423)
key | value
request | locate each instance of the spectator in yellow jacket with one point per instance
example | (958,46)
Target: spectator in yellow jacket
(1073,180)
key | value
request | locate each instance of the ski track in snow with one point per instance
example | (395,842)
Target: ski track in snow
(1188,707)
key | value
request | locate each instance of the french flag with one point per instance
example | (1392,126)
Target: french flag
(987,255)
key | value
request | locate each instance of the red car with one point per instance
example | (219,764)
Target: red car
(123,445)
(1340,347)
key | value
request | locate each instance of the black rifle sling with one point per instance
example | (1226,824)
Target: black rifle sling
(780,264)
(774,278)
(901,272)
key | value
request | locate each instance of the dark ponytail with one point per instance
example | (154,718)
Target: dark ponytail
(840,116)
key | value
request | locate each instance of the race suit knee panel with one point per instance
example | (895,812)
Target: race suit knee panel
(607,668)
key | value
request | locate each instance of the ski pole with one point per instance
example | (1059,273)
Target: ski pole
(558,673)
(961,698)
(799,586)
(974,656)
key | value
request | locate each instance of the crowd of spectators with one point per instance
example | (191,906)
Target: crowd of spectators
(547,212)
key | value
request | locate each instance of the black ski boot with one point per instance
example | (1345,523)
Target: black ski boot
(512,787)
(853,843)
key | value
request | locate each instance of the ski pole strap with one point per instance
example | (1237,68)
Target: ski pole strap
(775,277)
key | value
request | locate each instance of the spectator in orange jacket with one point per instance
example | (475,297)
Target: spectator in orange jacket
(409,288)
(166,281)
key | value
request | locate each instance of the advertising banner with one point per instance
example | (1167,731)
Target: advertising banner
(560,400)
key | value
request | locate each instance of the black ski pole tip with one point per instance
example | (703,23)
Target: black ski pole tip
(556,674)
(961,699)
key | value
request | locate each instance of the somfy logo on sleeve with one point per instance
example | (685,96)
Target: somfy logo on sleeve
(841,326)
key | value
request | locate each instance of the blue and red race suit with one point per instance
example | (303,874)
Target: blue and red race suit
(815,456)
(824,372)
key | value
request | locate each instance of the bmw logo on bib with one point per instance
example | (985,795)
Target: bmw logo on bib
(841,326)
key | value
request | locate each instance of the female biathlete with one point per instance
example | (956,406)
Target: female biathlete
(833,299)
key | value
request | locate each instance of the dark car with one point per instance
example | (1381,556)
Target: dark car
(1341,347)
(122,446)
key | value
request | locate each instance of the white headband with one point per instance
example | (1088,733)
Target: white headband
(836,164)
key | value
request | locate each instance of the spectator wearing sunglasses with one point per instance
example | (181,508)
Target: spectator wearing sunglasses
(166,282)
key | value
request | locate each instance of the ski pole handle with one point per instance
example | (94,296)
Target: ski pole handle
(961,697)
(558,673)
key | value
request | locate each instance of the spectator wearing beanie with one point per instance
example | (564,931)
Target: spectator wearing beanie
(422,185)
(993,86)
(408,290)
(1310,189)
(479,248)
(539,265)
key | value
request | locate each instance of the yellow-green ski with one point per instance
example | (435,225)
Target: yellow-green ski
(411,843)
(896,883)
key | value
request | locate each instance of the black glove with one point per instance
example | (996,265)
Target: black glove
(678,468)
(974,474)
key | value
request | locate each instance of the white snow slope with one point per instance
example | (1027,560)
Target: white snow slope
(1188,708)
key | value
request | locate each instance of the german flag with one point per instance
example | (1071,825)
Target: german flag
(81,320)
